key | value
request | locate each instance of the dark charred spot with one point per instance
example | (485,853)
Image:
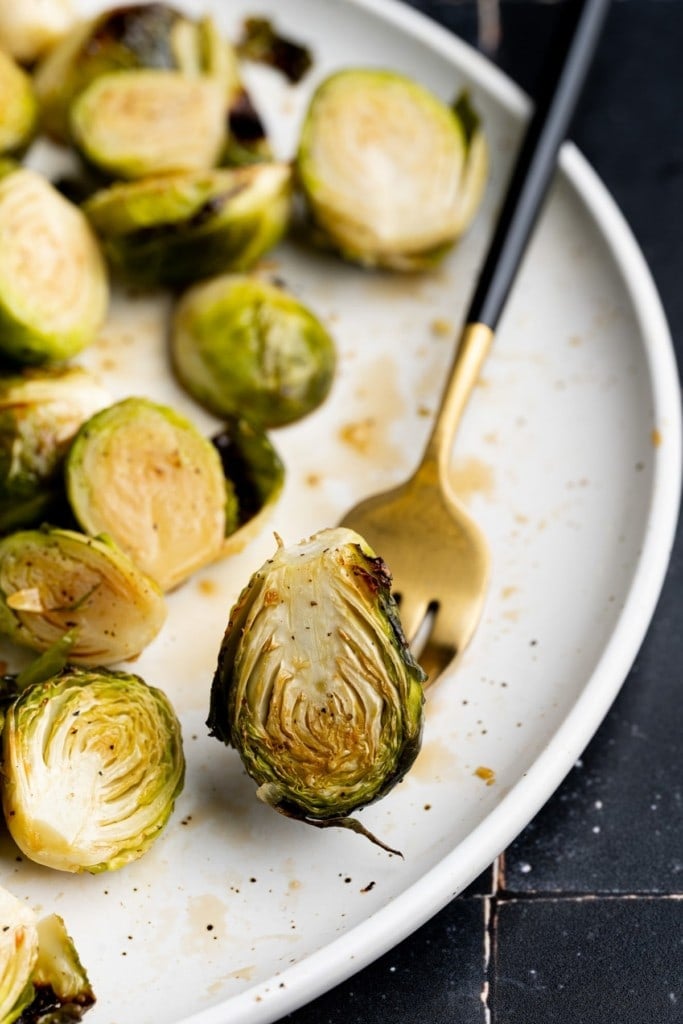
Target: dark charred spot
(244,121)
(260,42)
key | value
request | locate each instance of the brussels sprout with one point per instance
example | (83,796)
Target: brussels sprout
(241,344)
(176,229)
(40,411)
(18,955)
(53,281)
(131,124)
(18,107)
(315,686)
(55,581)
(29,28)
(41,977)
(143,474)
(390,174)
(147,35)
(92,765)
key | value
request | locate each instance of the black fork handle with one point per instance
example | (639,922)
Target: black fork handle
(559,93)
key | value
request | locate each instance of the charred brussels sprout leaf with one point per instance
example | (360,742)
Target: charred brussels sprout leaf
(315,686)
(176,229)
(240,344)
(55,582)
(261,42)
(390,174)
(92,765)
(59,978)
(18,107)
(132,124)
(256,473)
(40,411)
(144,475)
(53,283)
(251,463)
(41,976)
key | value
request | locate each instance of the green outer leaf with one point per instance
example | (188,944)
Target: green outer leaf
(252,464)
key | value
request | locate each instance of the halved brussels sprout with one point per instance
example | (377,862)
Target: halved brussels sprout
(18,107)
(176,229)
(132,124)
(54,291)
(315,686)
(30,28)
(92,765)
(18,955)
(143,474)
(391,175)
(40,411)
(41,977)
(240,344)
(55,581)
(145,35)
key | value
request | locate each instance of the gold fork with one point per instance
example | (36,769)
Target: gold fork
(437,554)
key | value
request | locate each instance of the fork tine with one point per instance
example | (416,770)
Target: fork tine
(413,611)
(435,659)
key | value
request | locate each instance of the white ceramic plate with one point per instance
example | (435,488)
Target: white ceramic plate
(569,458)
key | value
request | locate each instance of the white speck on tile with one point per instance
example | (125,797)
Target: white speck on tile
(525,868)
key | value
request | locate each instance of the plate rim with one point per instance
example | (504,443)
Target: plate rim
(349,953)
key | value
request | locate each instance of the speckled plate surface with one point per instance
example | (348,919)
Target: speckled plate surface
(569,457)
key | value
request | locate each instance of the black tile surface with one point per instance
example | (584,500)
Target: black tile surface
(584,911)
(386,991)
(587,961)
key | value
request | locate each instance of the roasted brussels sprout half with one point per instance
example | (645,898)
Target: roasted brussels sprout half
(315,686)
(55,581)
(30,28)
(144,475)
(54,291)
(134,36)
(40,411)
(18,107)
(390,174)
(132,124)
(41,977)
(241,344)
(176,229)
(92,765)
(18,955)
